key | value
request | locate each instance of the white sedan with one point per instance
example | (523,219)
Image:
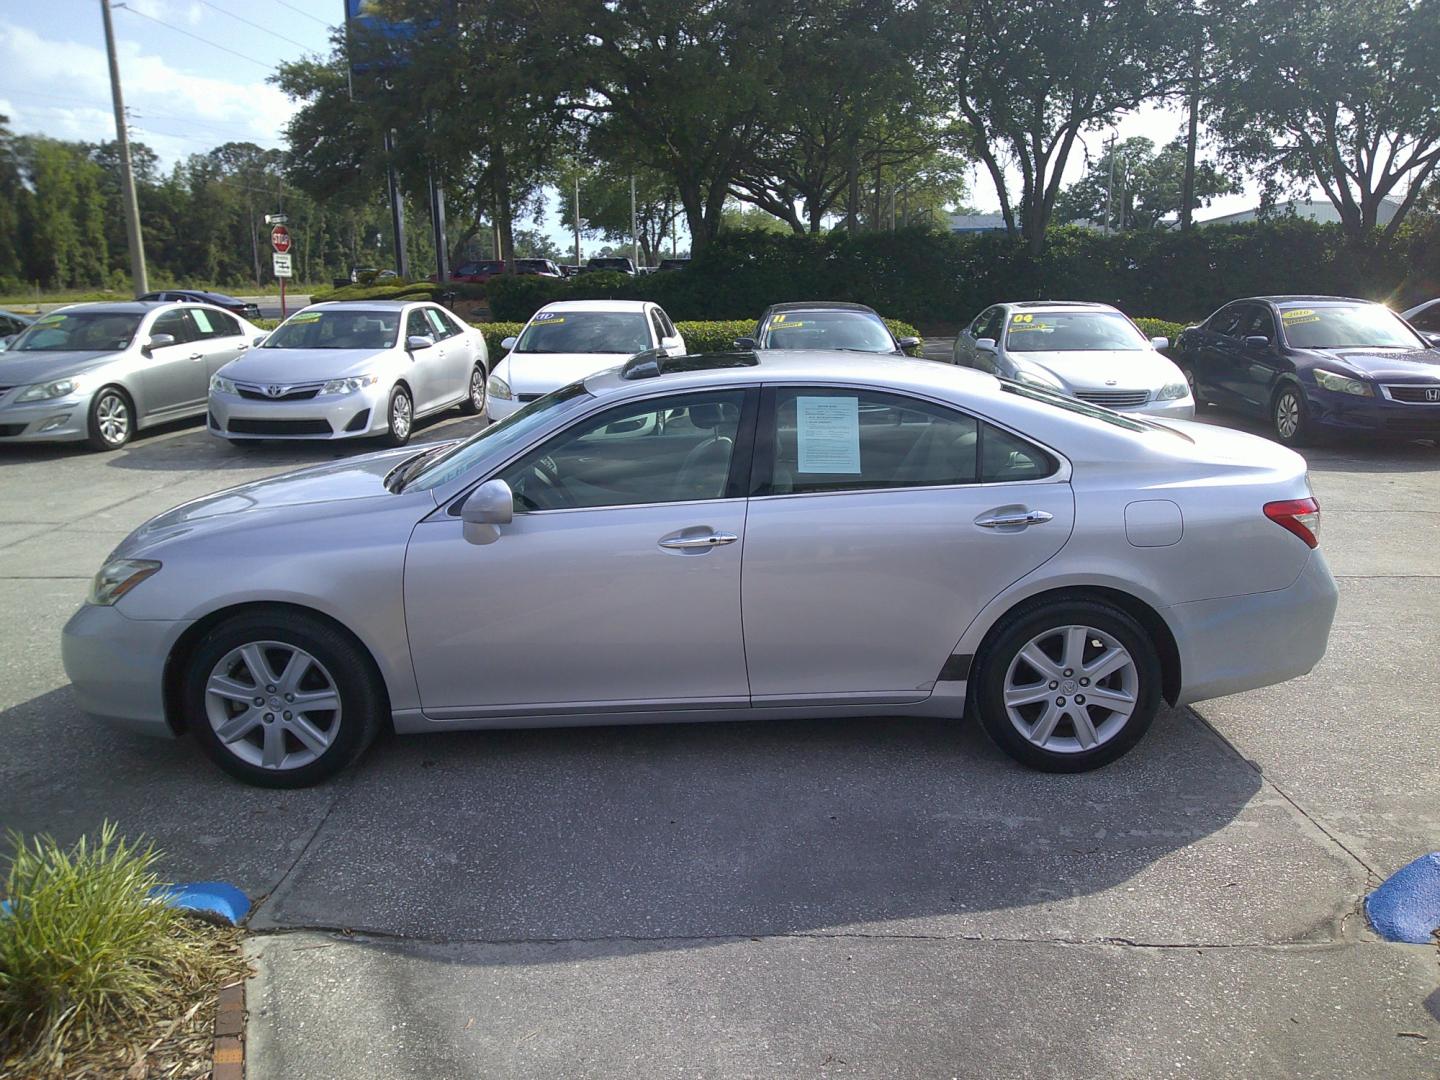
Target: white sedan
(1088,351)
(571,339)
(350,370)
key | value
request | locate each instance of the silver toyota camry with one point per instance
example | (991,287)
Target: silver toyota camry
(101,372)
(736,536)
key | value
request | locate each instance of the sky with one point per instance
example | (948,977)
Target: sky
(194,76)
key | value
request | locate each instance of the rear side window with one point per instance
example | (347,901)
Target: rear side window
(214,324)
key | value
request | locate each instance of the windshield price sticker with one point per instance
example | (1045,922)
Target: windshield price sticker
(827,435)
(306,316)
(1298,316)
(550,317)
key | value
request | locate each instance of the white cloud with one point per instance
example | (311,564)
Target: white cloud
(62,89)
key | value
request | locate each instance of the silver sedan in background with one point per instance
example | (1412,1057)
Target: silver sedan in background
(351,370)
(738,536)
(101,372)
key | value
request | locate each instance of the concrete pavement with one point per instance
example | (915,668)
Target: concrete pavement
(867,898)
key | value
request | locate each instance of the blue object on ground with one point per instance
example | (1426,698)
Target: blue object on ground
(212,899)
(1407,907)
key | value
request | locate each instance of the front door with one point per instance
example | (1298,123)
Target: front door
(173,378)
(876,538)
(616,586)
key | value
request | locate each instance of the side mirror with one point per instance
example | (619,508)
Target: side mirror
(416,342)
(1433,339)
(260,339)
(1257,341)
(1159,342)
(909,343)
(744,343)
(489,506)
(985,344)
(508,343)
(159,341)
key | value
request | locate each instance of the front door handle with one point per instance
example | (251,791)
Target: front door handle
(197,356)
(1021,517)
(703,542)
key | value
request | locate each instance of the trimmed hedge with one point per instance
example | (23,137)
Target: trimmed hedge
(700,337)
(1160,328)
(396,289)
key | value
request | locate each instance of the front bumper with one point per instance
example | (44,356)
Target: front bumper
(1237,643)
(1378,416)
(320,418)
(57,420)
(1177,409)
(117,666)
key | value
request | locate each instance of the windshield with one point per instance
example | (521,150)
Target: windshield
(343,329)
(586,332)
(504,435)
(1347,327)
(1072,331)
(826,330)
(79,331)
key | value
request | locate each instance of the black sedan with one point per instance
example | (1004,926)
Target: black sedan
(1313,365)
(825,324)
(234,305)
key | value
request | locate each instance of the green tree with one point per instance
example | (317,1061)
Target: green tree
(1130,186)
(63,230)
(1340,93)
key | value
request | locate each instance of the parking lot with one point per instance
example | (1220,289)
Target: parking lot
(857,898)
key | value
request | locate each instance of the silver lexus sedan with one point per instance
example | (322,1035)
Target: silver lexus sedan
(100,372)
(736,536)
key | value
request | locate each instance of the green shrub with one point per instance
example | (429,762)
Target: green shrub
(85,947)
(396,289)
(700,337)
(496,332)
(1160,328)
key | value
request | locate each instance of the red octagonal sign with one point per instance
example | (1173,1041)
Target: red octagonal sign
(280,239)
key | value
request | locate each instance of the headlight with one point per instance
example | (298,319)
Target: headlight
(1031,379)
(1172,391)
(498,388)
(117,578)
(221,386)
(349,386)
(1343,384)
(46,391)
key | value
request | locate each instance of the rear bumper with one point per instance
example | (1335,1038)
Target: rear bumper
(117,667)
(1242,642)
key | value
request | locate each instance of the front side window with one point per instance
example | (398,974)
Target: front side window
(1072,331)
(673,449)
(990,323)
(439,325)
(1351,326)
(346,328)
(175,323)
(1259,324)
(858,331)
(80,331)
(1428,320)
(623,332)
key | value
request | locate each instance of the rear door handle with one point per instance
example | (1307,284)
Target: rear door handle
(698,543)
(1023,517)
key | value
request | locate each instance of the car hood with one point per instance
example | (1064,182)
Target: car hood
(1143,370)
(539,373)
(1378,363)
(25,368)
(286,366)
(351,479)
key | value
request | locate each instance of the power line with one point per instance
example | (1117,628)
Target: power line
(136,111)
(197,37)
(257,26)
(299,11)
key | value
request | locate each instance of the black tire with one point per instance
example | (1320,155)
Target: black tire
(1189,373)
(396,432)
(1290,416)
(1033,620)
(471,405)
(109,403)
(361,694)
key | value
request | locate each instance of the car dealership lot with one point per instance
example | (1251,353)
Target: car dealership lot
(850,898)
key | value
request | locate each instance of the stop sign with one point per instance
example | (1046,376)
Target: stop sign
(280,239)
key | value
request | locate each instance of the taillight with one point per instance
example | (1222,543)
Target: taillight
(1299,516)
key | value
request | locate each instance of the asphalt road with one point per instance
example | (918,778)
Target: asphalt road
(863,898)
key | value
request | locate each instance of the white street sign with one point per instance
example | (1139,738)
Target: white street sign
(282,264)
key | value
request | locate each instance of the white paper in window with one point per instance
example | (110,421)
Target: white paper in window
(201,320)
(827,434)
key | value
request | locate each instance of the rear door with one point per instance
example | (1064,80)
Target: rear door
(457,355)
(218,337)
(867,548)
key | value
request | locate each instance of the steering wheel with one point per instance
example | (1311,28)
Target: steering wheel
(540,488)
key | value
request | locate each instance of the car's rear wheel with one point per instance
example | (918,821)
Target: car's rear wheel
(475,401)
(282,700)
(1068,686)
(401,415)
(1290,417)
(112,419)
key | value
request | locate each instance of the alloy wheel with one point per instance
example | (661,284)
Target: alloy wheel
(1287,414)
(112,417)
(400,416)
(477,389)
(273,705)
(1071,688)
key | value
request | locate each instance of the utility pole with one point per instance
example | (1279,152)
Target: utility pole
(577,219)
(397,207)
(133,236)
(634,234)
(1187,186)
(1110,184)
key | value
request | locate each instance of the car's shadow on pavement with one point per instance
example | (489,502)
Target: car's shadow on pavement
(668,836)
(1352,453)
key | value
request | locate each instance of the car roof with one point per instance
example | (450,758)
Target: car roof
(123,307)
(369,305)
(597,305)
(819,305)
(1073,305)
(1280,301)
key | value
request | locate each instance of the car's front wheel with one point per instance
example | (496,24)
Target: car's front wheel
(1291,417)
(281,700)
(474,403)
(1189,373)
(112,419)
(1067,686)
(401,415)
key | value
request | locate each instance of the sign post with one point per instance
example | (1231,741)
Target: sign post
(280,241)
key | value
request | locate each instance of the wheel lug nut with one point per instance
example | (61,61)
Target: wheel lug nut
(259,701)
(269,716)
(1069,672)
(1084,682)
(269,689)
(1053,686)
(288,716)
(289,697)
(1079,699)
(1059,701)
